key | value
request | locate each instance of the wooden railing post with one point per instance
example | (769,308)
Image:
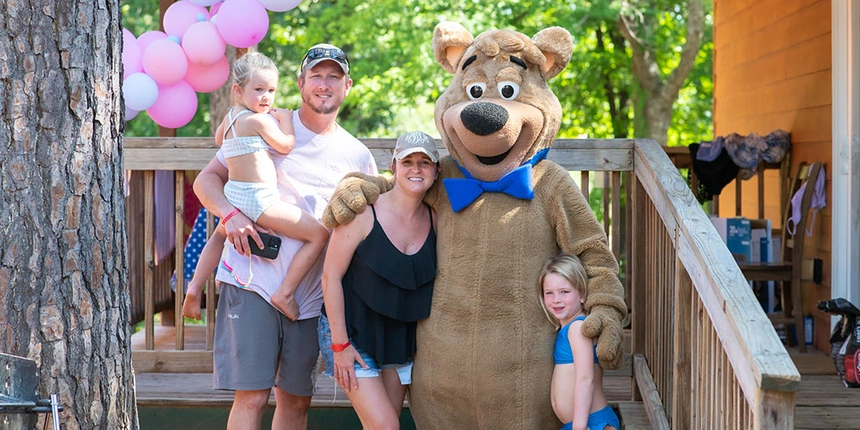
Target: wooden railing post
(149,256)
(615,189)
(683,338)
(771,407)
(210,291)
(179,223)
(637,272)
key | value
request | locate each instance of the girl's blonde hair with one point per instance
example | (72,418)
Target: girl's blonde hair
(570,268)
(245,67)
(247,64)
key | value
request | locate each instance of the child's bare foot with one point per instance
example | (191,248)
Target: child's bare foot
(191,305)
(286,304)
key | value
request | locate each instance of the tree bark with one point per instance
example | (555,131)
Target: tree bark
(63,268)
(617,98)
(221,100)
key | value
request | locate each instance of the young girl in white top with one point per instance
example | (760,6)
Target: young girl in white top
(577,380)
(247,133)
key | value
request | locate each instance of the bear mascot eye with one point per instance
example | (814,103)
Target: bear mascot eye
(508,90)
(476,91)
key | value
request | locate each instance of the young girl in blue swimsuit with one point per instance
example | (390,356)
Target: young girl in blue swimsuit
(577,380)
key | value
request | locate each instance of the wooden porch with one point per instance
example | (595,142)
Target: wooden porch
(702,353)
(823,402)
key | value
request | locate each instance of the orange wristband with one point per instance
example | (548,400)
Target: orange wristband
(229,215)
(339,347)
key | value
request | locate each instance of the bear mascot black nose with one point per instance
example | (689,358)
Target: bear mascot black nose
(484,118)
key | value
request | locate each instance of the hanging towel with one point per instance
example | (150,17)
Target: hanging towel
(819,200)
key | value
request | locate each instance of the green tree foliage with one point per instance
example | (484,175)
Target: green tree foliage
(397,80)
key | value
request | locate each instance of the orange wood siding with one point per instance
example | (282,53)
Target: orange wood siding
(772,70)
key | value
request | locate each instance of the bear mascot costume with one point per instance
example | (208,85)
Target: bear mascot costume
(484,358)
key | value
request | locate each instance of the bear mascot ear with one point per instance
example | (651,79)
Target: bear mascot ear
(556,45)
(450,41)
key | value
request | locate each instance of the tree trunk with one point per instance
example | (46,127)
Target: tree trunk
(63,268)
(221,100)
(661,93)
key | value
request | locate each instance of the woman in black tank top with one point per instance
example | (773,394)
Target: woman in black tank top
(377,283)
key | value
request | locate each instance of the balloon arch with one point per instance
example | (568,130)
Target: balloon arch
(164,71)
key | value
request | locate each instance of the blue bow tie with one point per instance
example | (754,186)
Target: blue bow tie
(517,183)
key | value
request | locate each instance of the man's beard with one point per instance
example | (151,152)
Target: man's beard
(319,110)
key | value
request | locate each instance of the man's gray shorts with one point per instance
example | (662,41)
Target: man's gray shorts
(257,347)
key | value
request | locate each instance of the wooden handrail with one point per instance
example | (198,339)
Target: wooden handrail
(750,354)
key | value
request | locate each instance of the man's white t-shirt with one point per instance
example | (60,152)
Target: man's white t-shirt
(307,178)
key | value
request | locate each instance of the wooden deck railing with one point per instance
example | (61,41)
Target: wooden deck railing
(704,353)
(700,338)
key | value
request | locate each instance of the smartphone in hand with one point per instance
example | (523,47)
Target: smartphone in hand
(271,246)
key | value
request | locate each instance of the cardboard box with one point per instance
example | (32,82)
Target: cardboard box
(761,246)
(761,241)
(735,233)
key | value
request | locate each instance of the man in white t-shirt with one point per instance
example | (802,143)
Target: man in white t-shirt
(257,347)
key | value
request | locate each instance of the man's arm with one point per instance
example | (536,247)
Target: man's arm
(209,188)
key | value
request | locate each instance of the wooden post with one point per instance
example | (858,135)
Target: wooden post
(681,370)
(179,255)
(637,281)
(210,290)
(149,256)
(584,183)
(616,214)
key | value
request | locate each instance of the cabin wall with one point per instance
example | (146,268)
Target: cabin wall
(772,70)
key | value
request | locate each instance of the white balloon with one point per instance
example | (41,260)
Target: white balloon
(140,91)
(279,5)
(130,114)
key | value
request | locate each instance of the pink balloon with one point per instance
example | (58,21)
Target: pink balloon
(205,79)
(165,61)
(214,9)
(279,5)
(181,15)
(203,44)
(175,106)
(131,54)
(242,23)
(147,38)
(205,2)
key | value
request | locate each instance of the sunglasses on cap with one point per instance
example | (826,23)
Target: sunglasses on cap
(335,54)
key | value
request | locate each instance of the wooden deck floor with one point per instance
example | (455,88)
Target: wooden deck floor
(823,402)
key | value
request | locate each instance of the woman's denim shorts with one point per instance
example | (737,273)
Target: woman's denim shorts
(404,371)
